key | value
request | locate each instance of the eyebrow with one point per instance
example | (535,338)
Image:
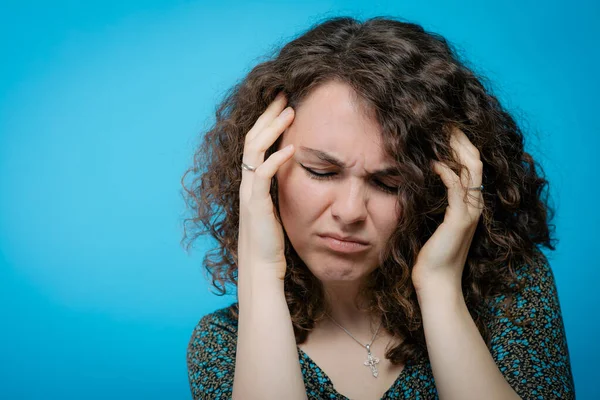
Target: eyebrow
(328,158)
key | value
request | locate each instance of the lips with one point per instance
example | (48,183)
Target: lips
(351,239)
(344,246)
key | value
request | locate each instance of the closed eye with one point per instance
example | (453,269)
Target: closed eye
(330,175)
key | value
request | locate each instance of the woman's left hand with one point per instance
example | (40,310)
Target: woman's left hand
(442,259)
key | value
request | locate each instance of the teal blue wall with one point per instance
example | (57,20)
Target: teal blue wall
(101,104)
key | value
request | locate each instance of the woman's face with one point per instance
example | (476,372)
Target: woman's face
(352,202)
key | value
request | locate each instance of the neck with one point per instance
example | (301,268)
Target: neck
(344,305)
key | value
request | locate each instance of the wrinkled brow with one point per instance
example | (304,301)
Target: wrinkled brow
(328,158)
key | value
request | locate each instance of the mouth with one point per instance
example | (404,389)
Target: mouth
(342,238)
(344,246)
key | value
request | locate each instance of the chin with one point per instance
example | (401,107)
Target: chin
(340,272)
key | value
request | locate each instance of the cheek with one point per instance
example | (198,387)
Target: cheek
(386,213)
(301,192)
(299,207)
(297,199)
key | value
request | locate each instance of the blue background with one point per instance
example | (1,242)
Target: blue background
(101,107)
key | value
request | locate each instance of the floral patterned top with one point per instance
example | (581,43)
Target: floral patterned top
(534,360)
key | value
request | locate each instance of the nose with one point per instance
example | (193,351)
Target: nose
(350,205)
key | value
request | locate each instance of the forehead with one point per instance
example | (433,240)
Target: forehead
(332,119)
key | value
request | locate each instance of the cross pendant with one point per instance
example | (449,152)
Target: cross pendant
(372,362)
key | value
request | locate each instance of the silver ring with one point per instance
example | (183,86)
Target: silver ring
(248,167)
(477,188)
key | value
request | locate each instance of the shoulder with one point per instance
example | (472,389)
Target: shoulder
(221,323)
(528,339)
(216,333)
(211,354)
(223,319)
(537,275)
(215,336)
(537,288)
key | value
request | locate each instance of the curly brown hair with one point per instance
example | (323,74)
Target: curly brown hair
(414,84)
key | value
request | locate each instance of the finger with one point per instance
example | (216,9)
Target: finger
(459,198)
(265,119)
(467,155)
(261,183)
(254,150)
(471,176)
(456,189)
(449,178)
(459,140)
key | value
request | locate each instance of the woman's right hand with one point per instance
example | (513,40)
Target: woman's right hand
(261,241)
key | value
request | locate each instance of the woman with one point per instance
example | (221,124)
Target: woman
(393,251)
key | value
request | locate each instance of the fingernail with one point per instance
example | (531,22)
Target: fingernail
(286,112)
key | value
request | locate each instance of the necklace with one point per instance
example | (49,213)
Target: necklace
(372,361)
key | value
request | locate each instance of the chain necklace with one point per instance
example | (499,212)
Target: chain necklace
(372,361)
